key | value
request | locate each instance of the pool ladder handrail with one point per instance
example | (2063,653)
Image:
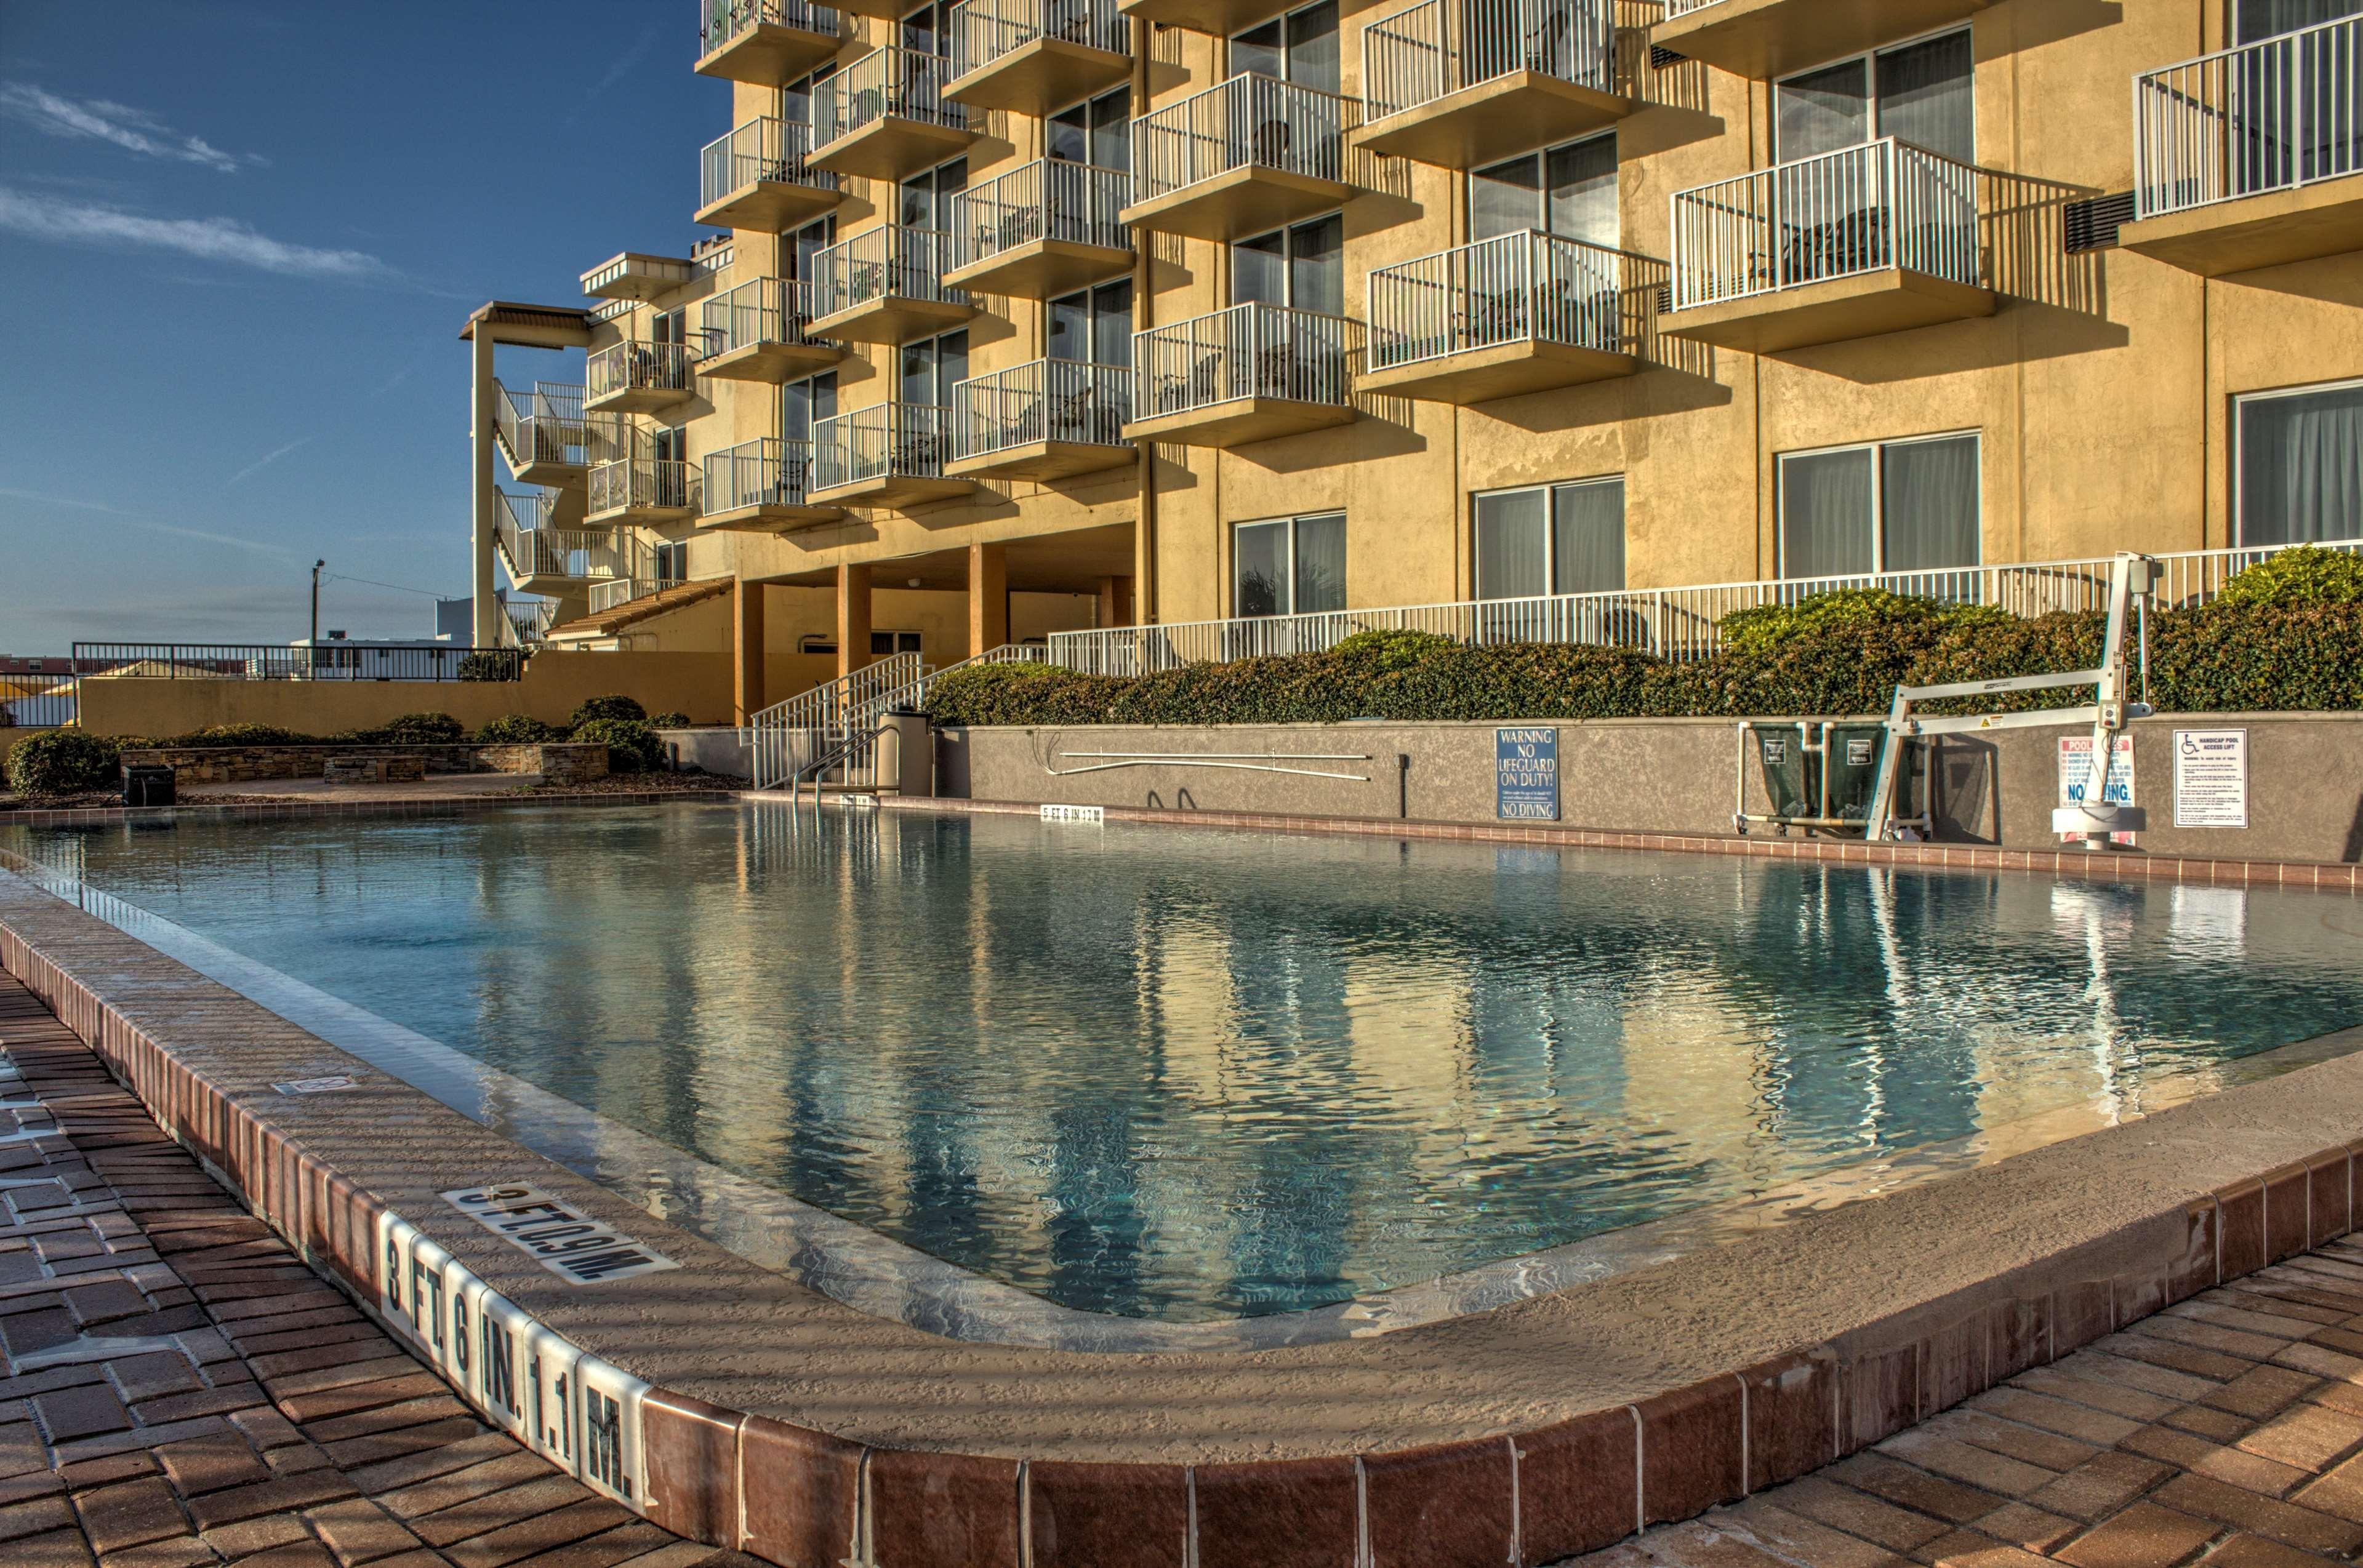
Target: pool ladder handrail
(855,747)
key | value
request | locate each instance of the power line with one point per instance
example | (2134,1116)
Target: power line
(370,583)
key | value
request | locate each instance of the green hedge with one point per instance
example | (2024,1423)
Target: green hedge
(64,762)
(2223,659)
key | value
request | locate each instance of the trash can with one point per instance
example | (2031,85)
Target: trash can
(148,785)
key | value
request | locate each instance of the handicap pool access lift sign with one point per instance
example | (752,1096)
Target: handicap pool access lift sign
(1525,774)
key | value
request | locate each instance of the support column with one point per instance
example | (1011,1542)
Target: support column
(852,619)
(988,598)
(1115,602)
(483,613)
(747,649)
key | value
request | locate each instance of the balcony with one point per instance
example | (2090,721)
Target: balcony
(760,331)
(1521,313)
(1463,83)
(765,42)
(886,285)
(641,491)
(1050,420)
(1039,231)
(1249,373)
(759,177)
(640,378)
(633,276)
(1241,157)
(543,433)
(889,454)
(1216,19)
(760,487)
(1034,57)
(1764,38)
(2253,157)
(1878,238)
(886,115)
(616,592)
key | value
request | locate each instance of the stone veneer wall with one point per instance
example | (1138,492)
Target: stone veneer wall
(560,762)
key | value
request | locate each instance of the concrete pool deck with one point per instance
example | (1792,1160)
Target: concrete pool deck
(742,1405)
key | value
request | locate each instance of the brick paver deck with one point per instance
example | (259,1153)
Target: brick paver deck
(181,1390)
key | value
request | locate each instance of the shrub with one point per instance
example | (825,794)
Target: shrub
(674,721)
(632,746)
(224,735)
(488,665)
(2306,574)
(424,729)
(64,762)
(1868,612)
(1392,650)
(611,707)
(517,729)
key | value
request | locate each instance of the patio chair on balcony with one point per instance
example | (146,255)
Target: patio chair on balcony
(1855,243)
(1194,387)
(1274,141)
(1073,416)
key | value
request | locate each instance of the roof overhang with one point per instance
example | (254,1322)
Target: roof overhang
(530,326)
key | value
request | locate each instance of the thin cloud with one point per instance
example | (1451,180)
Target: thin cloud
(141,520)
(263,462)
(213,240)
(133,130)
(623,66)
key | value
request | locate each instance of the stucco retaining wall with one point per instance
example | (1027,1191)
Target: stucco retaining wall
(1672,776)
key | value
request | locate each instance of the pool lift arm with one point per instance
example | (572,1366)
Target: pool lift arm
(2132,581)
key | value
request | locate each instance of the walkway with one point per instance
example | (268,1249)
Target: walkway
(182,1391)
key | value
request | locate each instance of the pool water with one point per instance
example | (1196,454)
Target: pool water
(1190,1074)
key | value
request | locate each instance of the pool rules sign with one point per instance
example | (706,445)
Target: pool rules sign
(1525,774)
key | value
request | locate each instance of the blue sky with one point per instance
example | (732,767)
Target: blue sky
(237,240)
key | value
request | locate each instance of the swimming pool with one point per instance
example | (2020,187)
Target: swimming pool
(1199,1074)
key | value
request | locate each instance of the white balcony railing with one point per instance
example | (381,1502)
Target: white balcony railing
(1685,7)
(1048,400)
(1439,47)
(886,262)
(1047,199)
(641,367)
(1676,623)
(1515,288)
(1865,209)
(766,310)
(761,151)
(726,21)
(1246,122)
(544,426)
(533,549)
(1246,351)
(617,592)
(890,82)
(900,440)
(642,484)
(984,30)
(2268,117)
(766,472)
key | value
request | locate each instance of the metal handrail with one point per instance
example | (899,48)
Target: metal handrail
(765,150)
(1248,351)
(890,82)
(1513,288)
(907,439)
(764,310)
(641,367)
(328,660)
(984,30)
(1438,47)
(1863,209)
(1047,199)
(824,713)
(767,472)
(616,593)
(1249,121)
(890,261)
(1046,400)
(2272,116)
(544,426)
(723,21)
(642,483)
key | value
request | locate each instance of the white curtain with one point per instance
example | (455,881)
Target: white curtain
(2267,18)
(1826,514)
(2301,468)
(1320,563)
(1510,554)
(1588,538)
(1925,96)
(1929,505)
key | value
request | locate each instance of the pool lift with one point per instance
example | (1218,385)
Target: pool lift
(2090,817)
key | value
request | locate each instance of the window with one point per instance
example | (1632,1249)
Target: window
(672,562)
(1296,565)
(797,99)
(1094,325)
(805,403)
(1302,266)
(1568,190)
(2259,19)
(668,327)
(669,444)
(1551,539)
(2301,465)
(932,367)
(928,197)
(1892,506)
(1097,131)
(801,255)
(927,28)
(1300,46)
(880,643)
(1919,92)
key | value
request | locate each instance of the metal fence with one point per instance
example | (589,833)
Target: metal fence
(535,548)
(767,472)
(1420,54)
(37,700)
(1511,289)
(528,621)
(2266,116)
(544,426)
(1865,209)
(907,439)
(1047,400)
(616,593)
(896,82)
(722,22)
(984,30)
(642,484)
(1679,623)
(1047,198)
(266,661)
(890,261)
(1248,121)
(641,367)
(1248,351)
(768,150)
(767,310)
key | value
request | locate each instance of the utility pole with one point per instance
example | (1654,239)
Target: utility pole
(315,608)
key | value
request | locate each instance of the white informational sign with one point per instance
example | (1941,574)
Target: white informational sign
(2075,777)
(566,1242)
(1075,813)
(2211,779)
